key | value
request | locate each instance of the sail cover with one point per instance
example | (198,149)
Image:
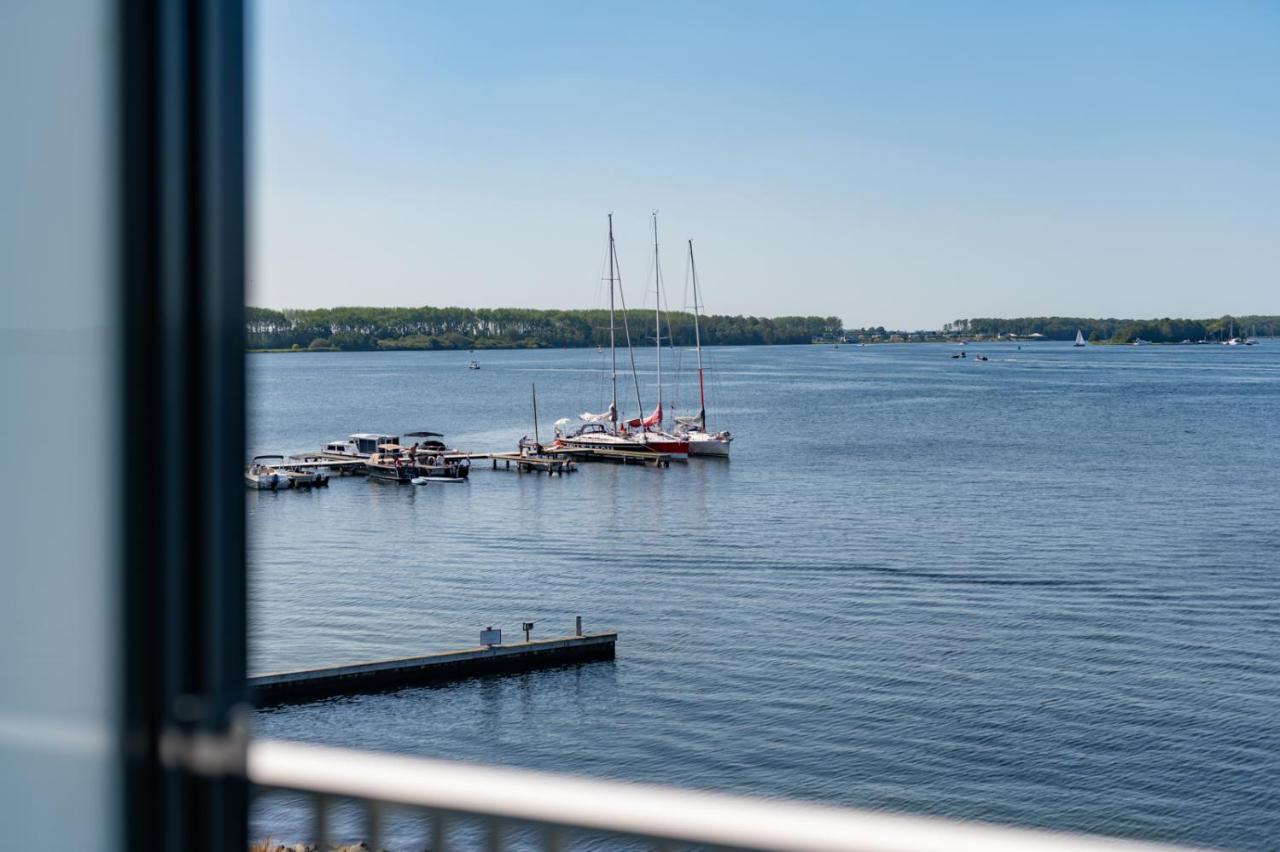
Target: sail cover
(609,416)
(699,420)
(654,419)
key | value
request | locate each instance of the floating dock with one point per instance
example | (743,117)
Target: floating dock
(309,684)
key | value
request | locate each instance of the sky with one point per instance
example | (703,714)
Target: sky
(896,164)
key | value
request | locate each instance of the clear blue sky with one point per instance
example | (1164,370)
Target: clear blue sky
(898,164)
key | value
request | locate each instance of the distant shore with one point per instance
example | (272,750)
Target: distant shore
(370,329)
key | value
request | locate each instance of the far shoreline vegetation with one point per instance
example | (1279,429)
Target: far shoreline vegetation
(359,329)
(365,329)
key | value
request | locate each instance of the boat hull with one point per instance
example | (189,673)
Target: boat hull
(601,442)
(450,472)
(264,483)
(387,473)
(670,445)
(709,448)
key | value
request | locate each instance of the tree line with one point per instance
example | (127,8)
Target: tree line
(366,329)
(1112,330)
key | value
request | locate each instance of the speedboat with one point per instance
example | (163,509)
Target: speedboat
(305,477)
(391,464)
(441,467)
(474,365)
(262,476)
(434,459)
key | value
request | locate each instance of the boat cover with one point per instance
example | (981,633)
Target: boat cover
(654,419)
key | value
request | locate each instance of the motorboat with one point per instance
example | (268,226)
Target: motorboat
(474,365)
(441,466)
(436,459)
(391,464)
(305,477)
(262,476)
(361,445)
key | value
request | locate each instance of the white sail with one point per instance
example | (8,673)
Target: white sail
(1079,338)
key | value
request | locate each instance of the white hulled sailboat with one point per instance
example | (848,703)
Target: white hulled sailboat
(600,431)
(694,428)
(650,432)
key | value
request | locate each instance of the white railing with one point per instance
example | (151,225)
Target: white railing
(562,808)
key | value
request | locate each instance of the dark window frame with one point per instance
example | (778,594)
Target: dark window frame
(181,168)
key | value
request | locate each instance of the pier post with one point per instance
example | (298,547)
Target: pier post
(578,628)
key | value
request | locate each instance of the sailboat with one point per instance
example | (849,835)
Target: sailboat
(701,442)
(600,431)
(1079,338)
(651,433)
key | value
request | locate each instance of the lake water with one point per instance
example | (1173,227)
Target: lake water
(1042,589)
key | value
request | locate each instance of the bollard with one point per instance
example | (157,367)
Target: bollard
(579,626)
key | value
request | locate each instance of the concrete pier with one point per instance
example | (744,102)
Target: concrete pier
(308,684)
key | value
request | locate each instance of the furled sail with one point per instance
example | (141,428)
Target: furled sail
(654,419)
(610,416)
(698,420)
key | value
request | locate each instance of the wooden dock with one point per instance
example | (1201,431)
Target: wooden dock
(537,464)
(309,684)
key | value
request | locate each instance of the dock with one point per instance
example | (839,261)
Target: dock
(535,463)
(380,675)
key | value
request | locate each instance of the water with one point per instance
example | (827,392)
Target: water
(1040,590)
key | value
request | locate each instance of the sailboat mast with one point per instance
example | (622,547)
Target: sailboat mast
(613,350)
(697,340)
(657,311)
(535,415)
(626,330)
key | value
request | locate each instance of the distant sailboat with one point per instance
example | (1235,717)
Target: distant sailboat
(1079,338)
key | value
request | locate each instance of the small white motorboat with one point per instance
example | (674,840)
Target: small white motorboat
(263,477)
(305,477)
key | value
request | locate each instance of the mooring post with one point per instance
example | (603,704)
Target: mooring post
(579,626)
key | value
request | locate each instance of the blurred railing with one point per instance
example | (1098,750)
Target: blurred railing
(496,808)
